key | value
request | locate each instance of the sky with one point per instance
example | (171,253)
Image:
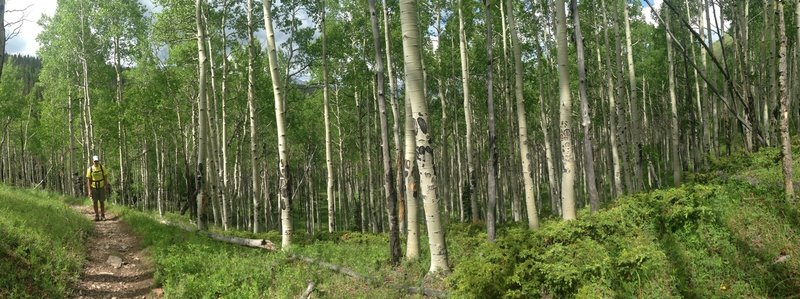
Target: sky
(25,43)
(650,19)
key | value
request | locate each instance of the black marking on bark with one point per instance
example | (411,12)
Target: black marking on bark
(423,125)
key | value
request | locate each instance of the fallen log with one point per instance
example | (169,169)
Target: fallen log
(308,291)
(269,245)
(254,243)
(353,274)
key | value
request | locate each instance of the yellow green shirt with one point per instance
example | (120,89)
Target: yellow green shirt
(97,175)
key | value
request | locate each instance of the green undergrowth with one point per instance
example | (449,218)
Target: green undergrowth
(189,265)
(727,234)
(41,243)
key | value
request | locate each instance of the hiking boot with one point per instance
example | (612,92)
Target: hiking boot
(103,217)
(96,218)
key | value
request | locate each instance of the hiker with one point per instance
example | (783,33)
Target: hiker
(97,180)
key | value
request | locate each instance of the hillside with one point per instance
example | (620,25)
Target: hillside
(728,233)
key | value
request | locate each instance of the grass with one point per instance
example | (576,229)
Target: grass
(189,265)
(41,244)
(727,233)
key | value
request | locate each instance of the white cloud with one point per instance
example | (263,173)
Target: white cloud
(651,19)
(25,43)
(648,12)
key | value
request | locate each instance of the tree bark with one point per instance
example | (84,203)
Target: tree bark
(398,151)
(588,155)
(522,122)
(424,151)
(202,148)
(328,151)
(491,185)
(636,142)
(3,34)
(470,192)
(412,207)
(251,112)
(675,136)
(612,113)
(390,196)
(283,148)
(786,143)
(565,118)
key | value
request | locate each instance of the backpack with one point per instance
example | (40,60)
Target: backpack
(103,171)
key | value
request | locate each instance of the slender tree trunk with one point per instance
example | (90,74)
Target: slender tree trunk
(524,148)
(283,164)
(470,192)
(251,110)
(75,190)
(412,238)
(424,152)
(388,173)
(3,34)
(398,151)
(567,153)
(612,113)
(636,142)
(676,162)
(786,143)
(224,144)
(622,120)
(202,159)
(492,165)
(328,151)
(588,155)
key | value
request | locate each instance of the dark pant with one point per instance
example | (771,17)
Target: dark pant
(99,194)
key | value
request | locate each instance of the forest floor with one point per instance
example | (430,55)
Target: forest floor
(117,265)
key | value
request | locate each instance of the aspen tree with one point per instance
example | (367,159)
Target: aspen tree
(326,113)
(424,150)
(467,114)
(524,149)
(390,197)
(491,185)
(251,112)
(674,136)
(636,142)
(786,143)
(202,159)
(588,155)
(283,156)
(565,118)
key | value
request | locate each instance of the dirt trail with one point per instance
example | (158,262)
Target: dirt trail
(117,266)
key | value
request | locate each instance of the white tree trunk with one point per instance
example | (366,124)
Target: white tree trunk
(251,112)
(326,112)
(524,149)
(390,197)
(612,113)
(675,136)
(412,237)
(786,143)
(636,142)
(202,159)
(588,155)
(467,114)
(424,151)
(283,164)
(491,182)
(567,152)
